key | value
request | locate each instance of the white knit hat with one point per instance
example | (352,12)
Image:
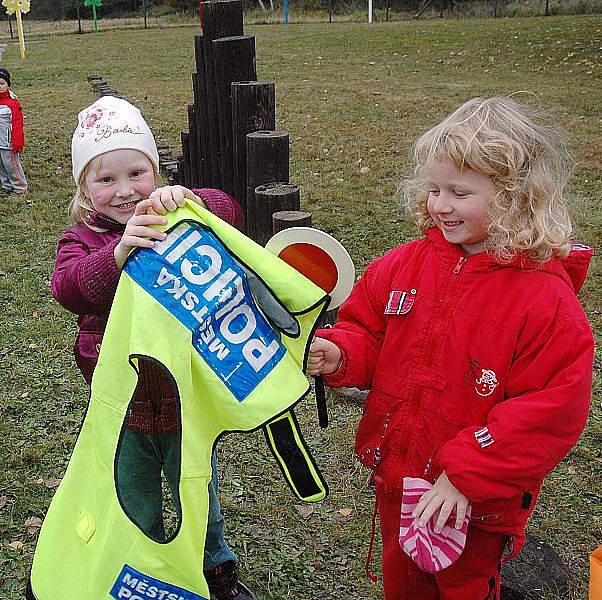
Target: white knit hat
(110,124)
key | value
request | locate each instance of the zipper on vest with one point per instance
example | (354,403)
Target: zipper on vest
(428,359)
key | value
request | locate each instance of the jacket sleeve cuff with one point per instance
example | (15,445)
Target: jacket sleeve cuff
(98,275)
(336,379)
(222,205)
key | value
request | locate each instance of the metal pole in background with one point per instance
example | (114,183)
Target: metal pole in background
(547,12)
(10,26)
(144,10)
(495,9)
(286,12)
(441,8)
(369,11)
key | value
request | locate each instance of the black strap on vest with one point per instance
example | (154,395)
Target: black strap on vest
(294,458)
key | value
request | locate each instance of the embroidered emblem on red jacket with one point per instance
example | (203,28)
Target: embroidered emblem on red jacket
(484,381)
(400,302)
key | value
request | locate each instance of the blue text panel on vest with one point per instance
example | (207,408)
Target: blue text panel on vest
(198,281)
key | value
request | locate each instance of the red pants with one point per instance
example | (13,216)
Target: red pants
(474,576)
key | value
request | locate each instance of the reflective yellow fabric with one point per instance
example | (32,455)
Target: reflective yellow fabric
(87,540)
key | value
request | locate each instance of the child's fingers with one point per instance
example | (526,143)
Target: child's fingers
(142,206)
(169,198)
(318,345)
(444,513)
(314,365)
(426,508)
(461,509)
(146,219)
(133,241)
(140,231)
(155,202)
(192,196)
(162,200)
(180,193)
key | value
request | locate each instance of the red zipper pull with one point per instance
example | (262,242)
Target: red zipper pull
(460,264)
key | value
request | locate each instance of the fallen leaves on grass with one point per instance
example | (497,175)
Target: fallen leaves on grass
(52,482)
(305,511)
(17,545)
(33,524)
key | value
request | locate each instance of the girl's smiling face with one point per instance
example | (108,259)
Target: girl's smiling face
(118,180)
(459,203)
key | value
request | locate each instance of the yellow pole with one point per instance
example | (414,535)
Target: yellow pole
(21,37)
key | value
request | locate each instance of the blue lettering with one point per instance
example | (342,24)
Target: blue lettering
(218,347)
(133,585)
(194,277)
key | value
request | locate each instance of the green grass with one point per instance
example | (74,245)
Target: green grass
(351,96)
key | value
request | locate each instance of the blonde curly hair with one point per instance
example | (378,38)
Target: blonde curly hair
(524,157)
(81,204)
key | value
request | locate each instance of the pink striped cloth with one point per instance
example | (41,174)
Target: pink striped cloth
(431,551)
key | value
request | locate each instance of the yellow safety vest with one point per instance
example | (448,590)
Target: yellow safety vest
(237,366)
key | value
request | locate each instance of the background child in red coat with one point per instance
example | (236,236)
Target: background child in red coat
(12,139)
(474,346)
(115,166)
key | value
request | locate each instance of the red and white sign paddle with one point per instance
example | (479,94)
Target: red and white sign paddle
(323,260)
(319,257)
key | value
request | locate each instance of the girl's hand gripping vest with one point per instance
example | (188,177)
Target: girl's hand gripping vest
(231,323)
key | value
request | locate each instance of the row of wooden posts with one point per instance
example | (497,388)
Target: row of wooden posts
(269,195)
(232,142)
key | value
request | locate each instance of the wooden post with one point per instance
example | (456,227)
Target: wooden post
(185,170)
(173,177)
(270,198)
(202,126)
(220,19)
(178,174)
(79,20)
(547,11)
(267,161)
(193,167)
(285,219)
(253,109)
(169,168)
(234,60)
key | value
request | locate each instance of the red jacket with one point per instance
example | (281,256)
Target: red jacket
(17,135)
(481,369)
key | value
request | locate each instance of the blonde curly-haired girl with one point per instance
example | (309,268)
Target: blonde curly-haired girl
(475,349)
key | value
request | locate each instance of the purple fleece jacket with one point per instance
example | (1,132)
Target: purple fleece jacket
(85,274)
